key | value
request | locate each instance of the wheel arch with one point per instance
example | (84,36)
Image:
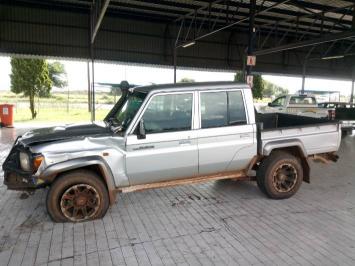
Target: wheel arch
(299,152)
(92,163)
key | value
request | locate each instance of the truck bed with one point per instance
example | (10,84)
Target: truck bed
(312,135)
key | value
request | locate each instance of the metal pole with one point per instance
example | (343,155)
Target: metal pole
(89,86)
(304,68)
(251,32)
(304,75)
(175,62)
(352,91)
(352,86)
(93,91)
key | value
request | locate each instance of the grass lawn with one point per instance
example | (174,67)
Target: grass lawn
(58,115)
(54,108)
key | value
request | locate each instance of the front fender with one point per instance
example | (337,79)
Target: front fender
(50,173)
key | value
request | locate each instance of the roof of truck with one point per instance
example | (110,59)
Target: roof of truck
(193,85)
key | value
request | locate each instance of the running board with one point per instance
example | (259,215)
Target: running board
(239,175)
(325,157)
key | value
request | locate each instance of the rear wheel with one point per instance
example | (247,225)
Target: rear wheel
(280,175)
(76,197)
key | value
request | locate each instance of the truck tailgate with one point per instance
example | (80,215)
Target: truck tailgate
(313,139)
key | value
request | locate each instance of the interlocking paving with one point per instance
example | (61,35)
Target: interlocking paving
(216,223)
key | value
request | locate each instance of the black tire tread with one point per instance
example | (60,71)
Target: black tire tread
(68,179)
(267,164)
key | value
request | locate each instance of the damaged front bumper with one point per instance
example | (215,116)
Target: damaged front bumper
(15,181)
(14,177)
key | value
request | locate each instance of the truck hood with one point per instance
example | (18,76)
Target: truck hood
(51,134)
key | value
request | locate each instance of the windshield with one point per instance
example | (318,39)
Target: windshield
(127,110)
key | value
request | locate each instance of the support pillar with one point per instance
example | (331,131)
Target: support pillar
(89,86)
(251,32)
(304,76)
(304,68)
(352,86)
(92,90)
(175,62)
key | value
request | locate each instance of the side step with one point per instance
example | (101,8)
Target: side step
(325,157)
(238,175)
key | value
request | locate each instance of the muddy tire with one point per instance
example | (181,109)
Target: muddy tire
(77,196)
(260,184)
(280,175)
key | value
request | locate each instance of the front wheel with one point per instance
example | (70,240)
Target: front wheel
(76,197)
(280,175)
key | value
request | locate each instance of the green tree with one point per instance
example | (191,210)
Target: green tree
(186,80)
(273,90)
(30,77)
(57,74)
(258,86)
(239,77)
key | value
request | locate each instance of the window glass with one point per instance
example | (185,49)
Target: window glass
(167,113)
(214,109)
(279,101)
(236,108)
(302,100)
(128,110)
(220,109)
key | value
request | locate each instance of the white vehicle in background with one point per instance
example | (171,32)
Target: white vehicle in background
(305,105)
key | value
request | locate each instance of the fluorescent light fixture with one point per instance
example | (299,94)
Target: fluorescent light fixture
(333,57)
(188,44)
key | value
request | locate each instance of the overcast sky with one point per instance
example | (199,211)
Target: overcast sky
(142,75)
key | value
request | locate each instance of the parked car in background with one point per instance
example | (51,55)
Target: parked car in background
(305,105)
(164,135)
(344,112)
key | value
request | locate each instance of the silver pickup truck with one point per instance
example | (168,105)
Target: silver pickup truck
(164,135)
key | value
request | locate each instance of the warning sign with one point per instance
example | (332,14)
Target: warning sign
(251,60)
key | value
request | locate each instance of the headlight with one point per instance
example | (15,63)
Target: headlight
(25,161)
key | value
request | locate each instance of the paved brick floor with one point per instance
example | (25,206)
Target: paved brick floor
(217,223)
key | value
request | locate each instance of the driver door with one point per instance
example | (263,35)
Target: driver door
(169,149)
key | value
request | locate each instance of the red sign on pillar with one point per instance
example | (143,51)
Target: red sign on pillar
(251,60)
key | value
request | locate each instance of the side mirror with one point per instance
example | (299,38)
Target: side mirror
(269,104)
(141,130)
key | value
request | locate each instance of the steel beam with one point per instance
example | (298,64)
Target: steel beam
(312,42)
(237,22)
(97,20)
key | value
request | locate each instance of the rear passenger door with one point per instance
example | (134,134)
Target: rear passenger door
(225,138)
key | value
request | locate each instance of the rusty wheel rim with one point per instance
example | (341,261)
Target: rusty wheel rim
(285,178)
(80,202)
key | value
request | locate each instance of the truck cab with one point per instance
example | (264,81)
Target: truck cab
(300,104)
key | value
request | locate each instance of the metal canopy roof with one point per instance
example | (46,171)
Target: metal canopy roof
(332,15)
(297,19)
(327,25)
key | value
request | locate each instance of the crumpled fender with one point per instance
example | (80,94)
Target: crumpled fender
(51,172)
